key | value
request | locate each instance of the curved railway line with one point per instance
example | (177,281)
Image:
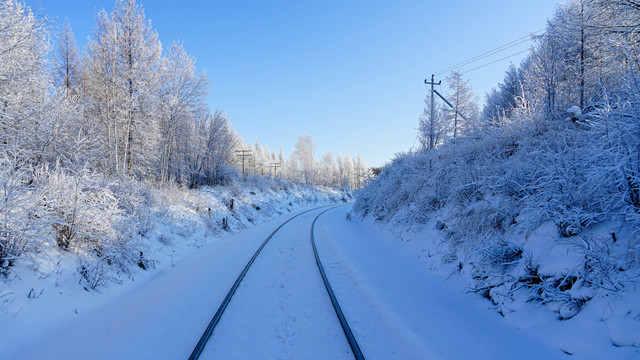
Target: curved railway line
(357,353)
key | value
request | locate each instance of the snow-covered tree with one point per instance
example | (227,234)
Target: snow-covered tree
(359,168)
(465,104)
(24,83)
(329,170)
(432,131)
(346,170)
(305,157)
(183,96)
(67,74)
(123,86)
(501,102)
(222,141)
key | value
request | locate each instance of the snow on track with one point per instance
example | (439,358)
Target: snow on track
(281,310)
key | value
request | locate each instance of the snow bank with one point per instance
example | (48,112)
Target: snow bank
(141,232)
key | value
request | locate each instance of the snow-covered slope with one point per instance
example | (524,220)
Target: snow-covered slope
(484,222)
(606,327)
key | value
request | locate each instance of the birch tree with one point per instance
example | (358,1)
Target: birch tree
(183,95)
(123,79)
(304,155)
(222,141)
(24,83)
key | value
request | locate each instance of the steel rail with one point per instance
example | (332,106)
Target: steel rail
(357,353)
(197,351)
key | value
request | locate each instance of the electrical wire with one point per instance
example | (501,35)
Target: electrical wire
(493,62)
(480,57)
(494,51)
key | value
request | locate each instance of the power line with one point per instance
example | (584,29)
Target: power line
(494,51)
(480,57)
(493,62)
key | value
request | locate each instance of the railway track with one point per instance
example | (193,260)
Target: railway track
(207,334)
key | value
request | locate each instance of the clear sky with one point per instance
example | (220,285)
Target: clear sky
(349,73)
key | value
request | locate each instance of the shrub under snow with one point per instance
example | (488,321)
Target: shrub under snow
(108,227)
(491,192)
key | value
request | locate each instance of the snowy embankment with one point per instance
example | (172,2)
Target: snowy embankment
(528,221)
(607,326)
(48,284)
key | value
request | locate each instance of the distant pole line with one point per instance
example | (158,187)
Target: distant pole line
(243,154)
(275,166)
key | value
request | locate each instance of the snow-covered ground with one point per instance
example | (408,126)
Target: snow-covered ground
(45,293)
(396,306)
(606,327)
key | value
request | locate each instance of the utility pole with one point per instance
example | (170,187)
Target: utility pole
(243,154)
(275,166)
(432,119)
(435,92)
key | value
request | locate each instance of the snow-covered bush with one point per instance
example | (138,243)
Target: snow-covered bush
(99,220)
(82,211)
(20,228)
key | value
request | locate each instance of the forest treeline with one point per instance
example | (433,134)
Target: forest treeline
(125,106)
(87,134)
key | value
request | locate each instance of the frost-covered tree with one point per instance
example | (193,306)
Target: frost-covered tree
(262,159)
(67,74)
(432,131)
(501,101)
(329,170)
(138,52)
(346,170)
(123,87)
(580,57)
(183,96)
(74,140)
(222,141)
(359,169)
(291,169)
(24,83)
(305,157)
(103,98)
(465,104)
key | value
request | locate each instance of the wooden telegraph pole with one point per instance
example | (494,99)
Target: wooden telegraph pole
(243,154)
(275,166)
(432,119)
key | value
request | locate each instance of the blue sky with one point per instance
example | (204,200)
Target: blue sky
(349,73)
